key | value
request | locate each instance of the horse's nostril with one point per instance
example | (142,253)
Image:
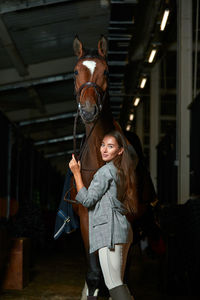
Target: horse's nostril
(89,109)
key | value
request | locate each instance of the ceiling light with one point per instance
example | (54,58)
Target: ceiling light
(152,55)
(164,20)
(128,127)
(143,82)
(131,117)
(136,101)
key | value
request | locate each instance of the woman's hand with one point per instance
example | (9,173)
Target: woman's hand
(75,166)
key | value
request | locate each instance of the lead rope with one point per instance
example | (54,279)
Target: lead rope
(74,133)
(85,142)
(75,151)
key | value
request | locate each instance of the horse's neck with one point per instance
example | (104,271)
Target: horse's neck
(92,160)
(103,125)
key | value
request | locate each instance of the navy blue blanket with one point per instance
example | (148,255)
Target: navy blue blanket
(66,220)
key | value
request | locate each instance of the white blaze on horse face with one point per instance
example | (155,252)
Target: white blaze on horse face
(91,65)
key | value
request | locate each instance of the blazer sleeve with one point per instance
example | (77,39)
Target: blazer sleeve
(98,186)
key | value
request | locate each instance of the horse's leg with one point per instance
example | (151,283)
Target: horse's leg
(94,274)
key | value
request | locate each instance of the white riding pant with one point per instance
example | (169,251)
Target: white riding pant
(113,263)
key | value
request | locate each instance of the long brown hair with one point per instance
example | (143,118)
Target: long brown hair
(126,164)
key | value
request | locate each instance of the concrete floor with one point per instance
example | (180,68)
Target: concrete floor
(58,274)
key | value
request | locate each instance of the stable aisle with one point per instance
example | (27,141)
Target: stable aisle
(58,274)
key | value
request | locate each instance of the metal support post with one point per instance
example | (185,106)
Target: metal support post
(154,120)
(184,96)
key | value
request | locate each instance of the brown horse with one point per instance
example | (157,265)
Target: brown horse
(91,89)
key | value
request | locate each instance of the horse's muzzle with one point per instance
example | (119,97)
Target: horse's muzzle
(88,113)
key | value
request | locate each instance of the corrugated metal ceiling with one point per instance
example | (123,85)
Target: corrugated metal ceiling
(47,33)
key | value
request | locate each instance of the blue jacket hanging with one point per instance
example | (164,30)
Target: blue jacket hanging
(66,220)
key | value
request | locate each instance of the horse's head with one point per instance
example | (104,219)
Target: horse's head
(91,79)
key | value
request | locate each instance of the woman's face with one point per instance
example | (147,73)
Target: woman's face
(110,148)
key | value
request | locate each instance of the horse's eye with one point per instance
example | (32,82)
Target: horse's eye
(106,73)
(76,72)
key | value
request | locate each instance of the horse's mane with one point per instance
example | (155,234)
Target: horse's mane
(91,53)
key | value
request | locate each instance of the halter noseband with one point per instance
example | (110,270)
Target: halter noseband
(101,95)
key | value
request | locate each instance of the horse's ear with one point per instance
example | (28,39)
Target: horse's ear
(78,47)
(102,46)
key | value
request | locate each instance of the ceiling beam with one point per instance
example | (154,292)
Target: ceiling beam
(118,52)
(51,109)
(48,119)
(120,37)
(12,50)
(121,22)
(11,6)
(59,140)
(41,70)
(56,154)
(124,1)
(118,99)
(117,63)
(34,82)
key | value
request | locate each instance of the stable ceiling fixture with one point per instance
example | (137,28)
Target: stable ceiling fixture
(131,117)
(136,101)
(143,82)
(164,19)
(128,127)
(152,55)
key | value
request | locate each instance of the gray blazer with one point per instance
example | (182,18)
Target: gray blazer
(108,224)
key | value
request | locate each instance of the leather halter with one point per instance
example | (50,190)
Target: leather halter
(101,95)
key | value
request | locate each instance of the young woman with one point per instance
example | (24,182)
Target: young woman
(110,197)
